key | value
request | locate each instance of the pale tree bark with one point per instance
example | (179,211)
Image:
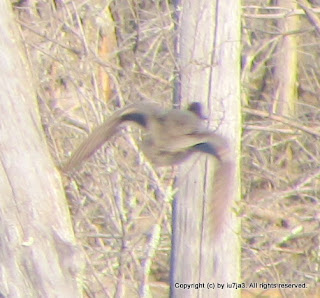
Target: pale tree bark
(209,62)
(38,256)
(285,66)
(286,72)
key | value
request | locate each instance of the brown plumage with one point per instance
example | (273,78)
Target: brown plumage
(171,137)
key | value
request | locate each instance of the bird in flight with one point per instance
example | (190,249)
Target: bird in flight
(171,137)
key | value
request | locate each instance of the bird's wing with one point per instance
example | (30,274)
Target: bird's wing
(222,181)
(221,191)
(221,196)
(138,113)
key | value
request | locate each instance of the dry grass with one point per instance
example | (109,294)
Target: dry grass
(120,205)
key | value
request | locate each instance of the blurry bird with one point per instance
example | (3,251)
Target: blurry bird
(171,137)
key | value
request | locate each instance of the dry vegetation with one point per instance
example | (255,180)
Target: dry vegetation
(280,163)
(88,58)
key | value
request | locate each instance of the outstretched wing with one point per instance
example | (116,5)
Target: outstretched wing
(222,180)
(139,113)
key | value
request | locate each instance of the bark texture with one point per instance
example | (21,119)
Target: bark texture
(209,61)
(38,255)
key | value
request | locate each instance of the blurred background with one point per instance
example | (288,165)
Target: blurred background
(89,58)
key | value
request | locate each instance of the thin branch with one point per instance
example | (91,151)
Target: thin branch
(313,18)
(283,120)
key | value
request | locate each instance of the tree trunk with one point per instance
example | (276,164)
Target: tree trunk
(285,64)
(209,61)
(38,255)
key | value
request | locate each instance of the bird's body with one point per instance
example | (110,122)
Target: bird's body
(169,133)
(171,136)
